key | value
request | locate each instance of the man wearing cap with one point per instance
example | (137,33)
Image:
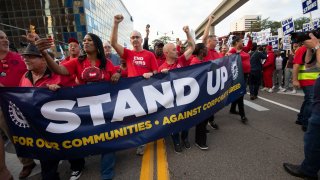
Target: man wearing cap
(158,48)
(12,69)
(39,75)
(112,57)
(139,62)
(74,50)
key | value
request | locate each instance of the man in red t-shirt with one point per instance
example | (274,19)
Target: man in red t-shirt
(12,69)
(211,42)
(306,84)
(173,62)
(139,61)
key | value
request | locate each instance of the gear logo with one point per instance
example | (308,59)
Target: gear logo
(17,117)
(234,70)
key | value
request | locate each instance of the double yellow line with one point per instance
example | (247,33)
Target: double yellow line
(147,167)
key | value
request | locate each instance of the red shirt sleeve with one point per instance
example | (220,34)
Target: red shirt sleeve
(298,57)
(232,51)
(71,66)
(248,47)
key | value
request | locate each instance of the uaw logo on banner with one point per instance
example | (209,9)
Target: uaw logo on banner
(103,117)
(273,41)
(287,26)
(309,5)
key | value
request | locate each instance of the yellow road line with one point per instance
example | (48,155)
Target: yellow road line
(146,172)
(162,163)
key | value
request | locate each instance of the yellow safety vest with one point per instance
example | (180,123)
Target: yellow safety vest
(308,74)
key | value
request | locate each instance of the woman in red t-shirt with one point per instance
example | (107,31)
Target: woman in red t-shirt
(91,67)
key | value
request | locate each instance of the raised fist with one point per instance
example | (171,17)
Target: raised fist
(118,18)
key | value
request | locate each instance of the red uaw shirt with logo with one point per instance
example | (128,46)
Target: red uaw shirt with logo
(140,62)
(12,68)
(180,62)
(86,73)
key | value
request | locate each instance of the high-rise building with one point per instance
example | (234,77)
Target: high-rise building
(62,19)
(244,23)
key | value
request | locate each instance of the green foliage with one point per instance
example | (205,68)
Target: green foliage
(299,22)
(265,24)
(164,39)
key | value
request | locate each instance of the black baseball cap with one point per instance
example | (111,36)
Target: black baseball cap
(32,50)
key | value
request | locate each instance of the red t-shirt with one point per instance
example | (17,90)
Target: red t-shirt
(12,68)
(86,73)
(195,60)
(73,77)
(180,62)
(124,73)
(47,78)
(245,60)
(298,59)
(161,60)
(140,62)
(212,55)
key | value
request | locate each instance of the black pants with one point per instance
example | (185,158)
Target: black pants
(49,168)
(254,82)
(201,134)
(240,104)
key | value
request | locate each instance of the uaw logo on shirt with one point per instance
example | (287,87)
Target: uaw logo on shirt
(139,61)
(17,117)
(234,70)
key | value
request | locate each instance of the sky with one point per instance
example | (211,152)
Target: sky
(165,16)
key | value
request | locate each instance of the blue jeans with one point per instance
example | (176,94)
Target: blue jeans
(311,164)
(307,106)
(176,137)
(107,165)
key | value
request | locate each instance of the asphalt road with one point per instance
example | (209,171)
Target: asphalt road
(255,150)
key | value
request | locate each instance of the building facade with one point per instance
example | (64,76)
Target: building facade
(62,19)
(244,23)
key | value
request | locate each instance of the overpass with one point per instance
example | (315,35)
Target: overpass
(224,9)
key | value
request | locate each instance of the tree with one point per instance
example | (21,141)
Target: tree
(164,39)
(299,22)
(262,24)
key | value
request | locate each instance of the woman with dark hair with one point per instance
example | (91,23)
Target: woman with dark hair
(89,68)
(237,44)
(199,53)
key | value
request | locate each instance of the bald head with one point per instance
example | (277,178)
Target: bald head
(170,51)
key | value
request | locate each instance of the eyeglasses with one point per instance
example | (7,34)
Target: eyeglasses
(135,37)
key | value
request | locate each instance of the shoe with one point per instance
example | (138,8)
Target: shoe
(270,90)
(283,90)
(26,171)
(177,148)
(186,144)
(140,150)
(294,170)
(255,97)
(202,146)
(264,89)
(213,125)
(251,97)
(244,120)
(293,91)
(233,112)
(273,87)
(298,122)
(75,175)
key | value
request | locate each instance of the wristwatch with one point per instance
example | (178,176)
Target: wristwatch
(317,47)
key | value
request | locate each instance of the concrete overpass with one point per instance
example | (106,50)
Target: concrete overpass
(224,9)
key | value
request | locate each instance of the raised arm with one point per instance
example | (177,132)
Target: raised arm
(191,44)
(310,44)
(207,29)
(114,35)
(43,45)
(146,39)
